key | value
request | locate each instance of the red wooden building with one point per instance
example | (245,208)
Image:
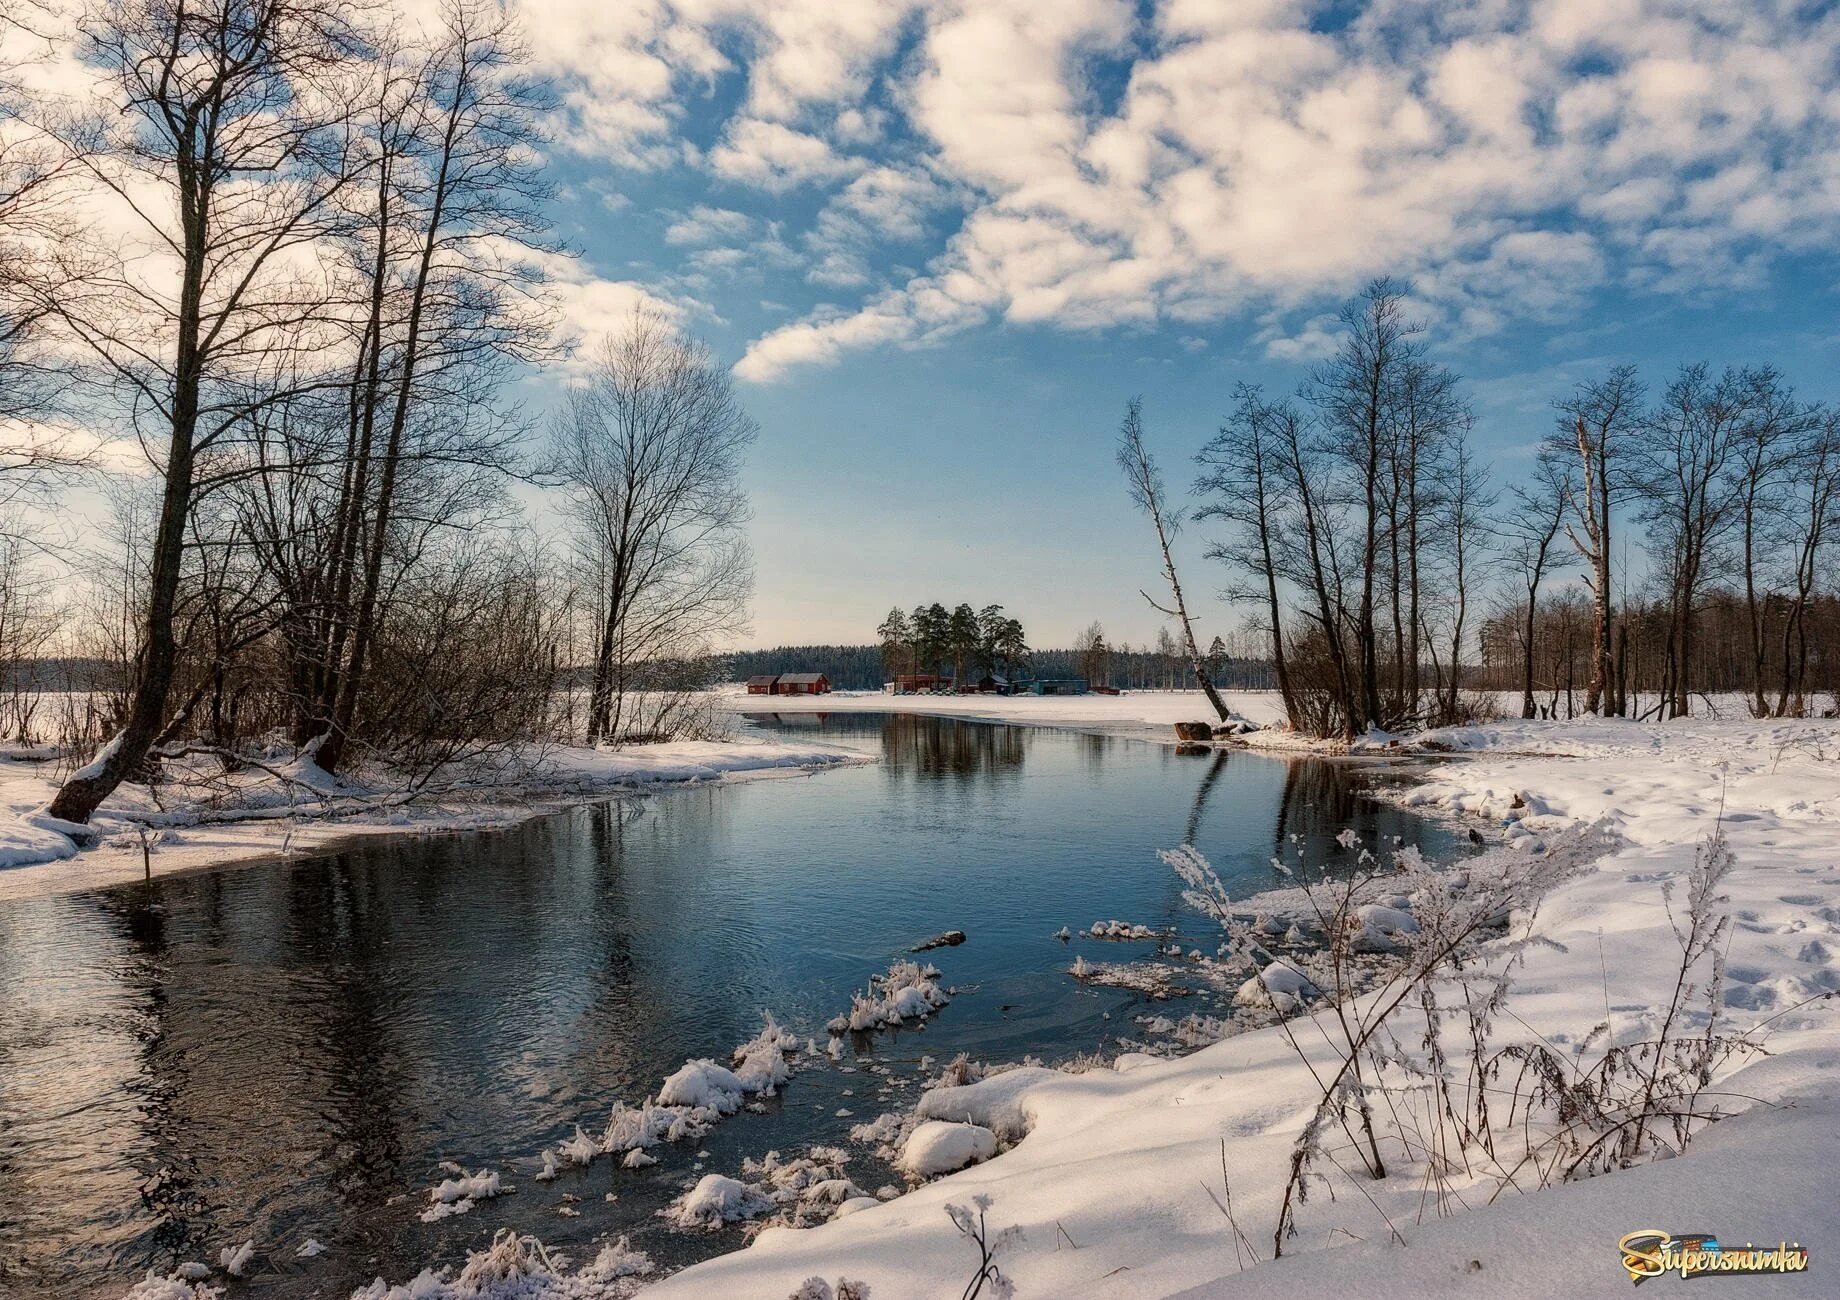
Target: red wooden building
(789,684)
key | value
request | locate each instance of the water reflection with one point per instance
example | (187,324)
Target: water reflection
(290,1050)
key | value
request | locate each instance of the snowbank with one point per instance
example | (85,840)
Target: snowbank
(994,1102)
(940,1146)
(26,841)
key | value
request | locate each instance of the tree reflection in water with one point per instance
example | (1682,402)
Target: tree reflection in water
(291,1049)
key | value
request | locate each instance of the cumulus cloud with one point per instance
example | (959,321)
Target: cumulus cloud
(1096,162)
(629,69)
(1319,337)
(589,305)
(776,157)
(706,225)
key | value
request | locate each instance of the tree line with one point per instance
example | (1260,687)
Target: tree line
(1382,561)
(298,253)
(1237,659)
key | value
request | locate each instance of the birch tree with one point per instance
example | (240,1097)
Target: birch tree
(648,453)
(1145,483)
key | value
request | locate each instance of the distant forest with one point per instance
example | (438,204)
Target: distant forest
(859,667)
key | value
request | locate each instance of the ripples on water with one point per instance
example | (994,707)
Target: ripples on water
(290,1050)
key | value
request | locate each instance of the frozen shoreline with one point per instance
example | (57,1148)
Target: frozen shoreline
(1150,714)
(261,819)
(1121,1162)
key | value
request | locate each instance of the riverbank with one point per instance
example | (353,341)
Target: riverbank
(1144,714)
(1119,1186)
(202,818)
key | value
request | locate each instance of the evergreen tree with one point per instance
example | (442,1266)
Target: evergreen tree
(962,639)
(896,634)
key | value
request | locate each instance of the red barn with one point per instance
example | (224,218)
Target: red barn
(800,684)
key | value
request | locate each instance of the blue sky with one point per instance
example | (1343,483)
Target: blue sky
(942,244)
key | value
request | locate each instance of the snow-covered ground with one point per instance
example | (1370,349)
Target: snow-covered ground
(1118,1186)
(210,820)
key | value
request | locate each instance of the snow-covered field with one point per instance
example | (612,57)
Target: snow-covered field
(213,820)
(1118,1185)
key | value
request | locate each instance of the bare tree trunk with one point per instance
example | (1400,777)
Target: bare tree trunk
(85,790)
(1597,692)
(1146,487)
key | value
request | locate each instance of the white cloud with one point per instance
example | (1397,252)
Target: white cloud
(776,157)
(1251,156)
(590,305)
(628,70)
(1319,337)
(1511,160)
(706,225)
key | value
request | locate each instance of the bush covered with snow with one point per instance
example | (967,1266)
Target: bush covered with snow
(171,1287)
(715,1200)
(1279,986)
(702,1083)
(517,1267)
(1121,930)
(458,1194)
(691,1101)
(1382,928)
(909,991)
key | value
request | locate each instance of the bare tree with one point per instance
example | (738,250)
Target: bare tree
(1310,557)
(460,201)
(36,452)
(1771,430)
(1689,443)
(216,114)
(1145,484)
(1241,487)
(1815,469)
(1355,394)
(1532,525)
(1428,418)
(1598,423)
(648,453)
(1468,500)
